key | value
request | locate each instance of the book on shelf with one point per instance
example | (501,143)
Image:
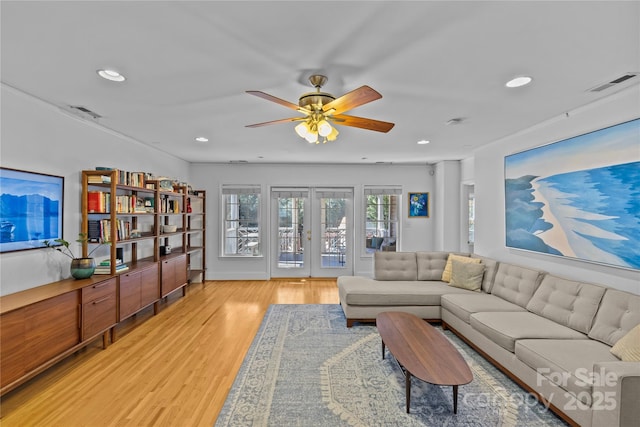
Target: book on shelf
(93,234)
(107,262)
(98,202)
(102,269)
(99,179)
(108,271)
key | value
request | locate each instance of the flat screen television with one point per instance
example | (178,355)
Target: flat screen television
(31,209)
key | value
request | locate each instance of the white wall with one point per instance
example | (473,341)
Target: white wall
(36,136)
(416,233)
(446,206)
(489,190)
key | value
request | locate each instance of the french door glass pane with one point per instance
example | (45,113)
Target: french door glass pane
(333,229)
(290,232)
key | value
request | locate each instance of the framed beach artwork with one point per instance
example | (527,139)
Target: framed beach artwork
(578,198)
(418,205)
(30,209)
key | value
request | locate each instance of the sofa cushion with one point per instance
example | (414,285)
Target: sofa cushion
(567,363)
(431,265)
(619,312)
(516,284)
(369,292)
(628,347)
(505,328)
(570,303)
(463,305)
(466,275)
(490,269)
(395,266)
(446,273)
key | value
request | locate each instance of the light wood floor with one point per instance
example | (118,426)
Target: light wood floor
(172,369)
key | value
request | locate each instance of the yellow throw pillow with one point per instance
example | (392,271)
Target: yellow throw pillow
(628,347)
(446,274)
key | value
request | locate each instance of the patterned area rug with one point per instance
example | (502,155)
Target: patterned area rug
(306,368)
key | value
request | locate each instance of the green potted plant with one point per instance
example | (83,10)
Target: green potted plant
(83,267)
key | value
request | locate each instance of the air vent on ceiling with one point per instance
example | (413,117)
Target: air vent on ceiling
(83,112)
(454,121)
(613,82)
(238,161)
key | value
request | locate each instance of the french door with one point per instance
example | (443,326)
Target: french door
(311,232)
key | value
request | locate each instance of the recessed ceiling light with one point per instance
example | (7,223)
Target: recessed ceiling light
(519,81)
(423,142)
(202,139)
(112,75)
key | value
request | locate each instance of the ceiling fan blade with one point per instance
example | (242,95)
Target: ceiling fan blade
(272,98)
(363,123)
(353,99)
(275,122)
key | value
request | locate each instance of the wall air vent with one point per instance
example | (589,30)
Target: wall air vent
(238,161)
(613,82)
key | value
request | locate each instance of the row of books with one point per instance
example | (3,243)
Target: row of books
(99,230)
(100,202)
(168,205)
(132,179)
(105,267)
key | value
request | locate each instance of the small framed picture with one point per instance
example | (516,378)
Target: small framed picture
(418,205)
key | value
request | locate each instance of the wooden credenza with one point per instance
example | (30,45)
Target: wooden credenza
(138,289)
(173,273)
(43,325)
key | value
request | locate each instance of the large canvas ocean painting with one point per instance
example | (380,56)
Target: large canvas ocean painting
(578,198)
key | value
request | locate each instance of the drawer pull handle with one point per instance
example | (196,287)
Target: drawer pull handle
(98,301)
(99,285)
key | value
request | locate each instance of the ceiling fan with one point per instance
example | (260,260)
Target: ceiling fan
(319,109)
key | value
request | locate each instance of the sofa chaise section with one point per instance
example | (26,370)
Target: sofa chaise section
(403,281)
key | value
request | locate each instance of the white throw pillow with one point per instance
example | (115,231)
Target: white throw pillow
(628,347)
(466,275)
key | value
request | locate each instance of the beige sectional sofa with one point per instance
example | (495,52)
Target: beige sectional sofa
(552,335)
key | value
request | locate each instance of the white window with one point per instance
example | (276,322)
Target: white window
(382,208)
(241,220)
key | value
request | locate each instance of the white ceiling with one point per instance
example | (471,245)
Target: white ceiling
(188,65)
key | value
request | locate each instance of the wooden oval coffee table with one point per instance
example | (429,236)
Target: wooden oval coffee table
(423,352)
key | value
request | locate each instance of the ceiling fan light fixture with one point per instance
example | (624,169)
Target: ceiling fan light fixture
(302,129)
(321,108)
(324,128)
(333,135)
(311,137)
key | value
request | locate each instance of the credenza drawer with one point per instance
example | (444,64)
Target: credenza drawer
(99,308)
(99,290)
